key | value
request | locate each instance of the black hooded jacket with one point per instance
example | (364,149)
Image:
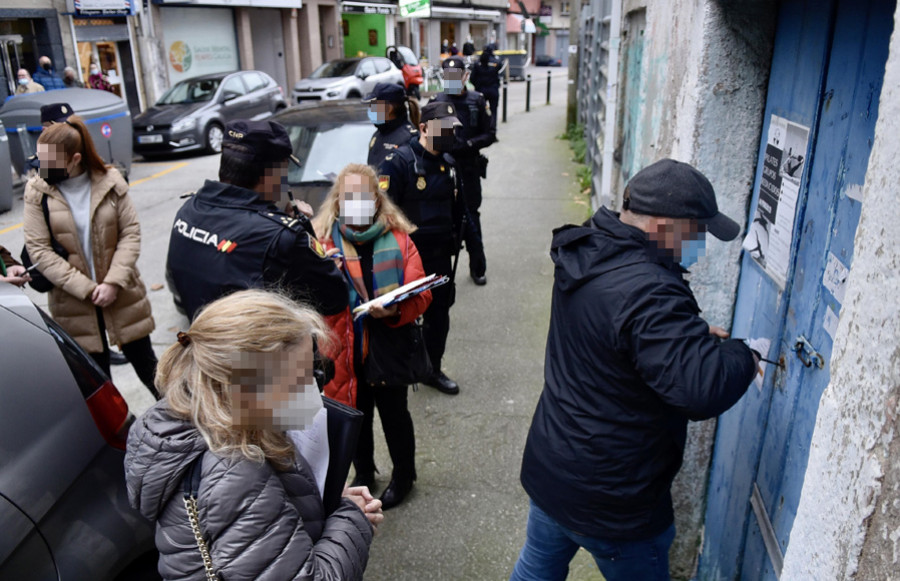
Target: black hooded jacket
(629,361)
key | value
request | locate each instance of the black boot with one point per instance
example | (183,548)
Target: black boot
(395,492)
(442,383)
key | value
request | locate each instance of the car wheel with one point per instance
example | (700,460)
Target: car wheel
(354,95)
(213,138)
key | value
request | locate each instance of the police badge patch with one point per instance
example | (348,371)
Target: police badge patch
(384,182)
(316,246)
(420,183)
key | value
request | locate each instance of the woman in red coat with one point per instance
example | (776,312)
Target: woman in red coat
(368,236)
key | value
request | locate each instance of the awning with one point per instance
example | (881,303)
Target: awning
(368,8)
(465,13)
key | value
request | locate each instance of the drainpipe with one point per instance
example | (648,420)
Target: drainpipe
(612,98)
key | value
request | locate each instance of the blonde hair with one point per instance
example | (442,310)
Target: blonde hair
(195,376)
(386,212)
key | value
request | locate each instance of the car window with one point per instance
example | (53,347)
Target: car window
(323,151)
(382,65)
(190,91)
(254,81)
(339,68)
(234,85)
(367,67)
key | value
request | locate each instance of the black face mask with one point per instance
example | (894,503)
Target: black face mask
(46,66)
(54,175)
(442,143)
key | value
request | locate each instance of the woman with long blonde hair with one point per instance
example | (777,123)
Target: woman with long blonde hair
(83,204)
(233,384)
(368,237)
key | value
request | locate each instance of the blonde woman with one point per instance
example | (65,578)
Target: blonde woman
(368,236)
(233,383)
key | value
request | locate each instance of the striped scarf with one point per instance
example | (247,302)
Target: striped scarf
(387,260)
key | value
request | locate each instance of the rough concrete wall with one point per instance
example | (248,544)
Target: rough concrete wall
(848,520)
(706,68)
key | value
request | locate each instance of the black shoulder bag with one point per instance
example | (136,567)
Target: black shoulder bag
(38,281)
(397,355)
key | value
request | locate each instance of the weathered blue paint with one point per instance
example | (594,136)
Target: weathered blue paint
(827,70)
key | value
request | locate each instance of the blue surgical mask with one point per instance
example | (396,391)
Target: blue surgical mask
(373,117)
(453,86)
(692,250)
(23,82)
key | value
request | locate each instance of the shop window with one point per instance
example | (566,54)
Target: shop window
(373,37)
(564,9)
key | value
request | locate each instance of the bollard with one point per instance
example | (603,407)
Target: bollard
(505,84)
(528,93)
(548,87)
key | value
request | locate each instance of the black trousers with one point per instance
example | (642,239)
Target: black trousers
(436,320)
(396,422)
(471,190)
(139,353)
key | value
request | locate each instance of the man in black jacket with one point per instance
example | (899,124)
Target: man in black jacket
(232,234)
(629,361)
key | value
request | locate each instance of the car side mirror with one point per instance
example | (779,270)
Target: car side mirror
(362,75)
(229,95)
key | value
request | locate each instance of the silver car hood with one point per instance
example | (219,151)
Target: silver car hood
(323,83)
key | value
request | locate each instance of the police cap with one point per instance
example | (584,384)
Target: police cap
(439,110)
(386,92)
(261,141)
(55,112)
(453,62)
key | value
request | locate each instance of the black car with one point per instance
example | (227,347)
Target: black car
(192,114)
(326,136)
(545,60)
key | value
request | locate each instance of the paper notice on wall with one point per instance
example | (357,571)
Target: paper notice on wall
(771,234)
(830,322)
(835,278)
(760,345)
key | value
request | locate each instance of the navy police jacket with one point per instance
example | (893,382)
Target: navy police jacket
(628,362)
(226,238)
(477,131)
(388,137)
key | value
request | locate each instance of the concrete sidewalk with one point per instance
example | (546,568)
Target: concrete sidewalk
(466,516)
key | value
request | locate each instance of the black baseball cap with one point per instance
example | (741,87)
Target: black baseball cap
(439,110)
(265,141)
(454,62)
(55,112)
(386,92)
(673,189)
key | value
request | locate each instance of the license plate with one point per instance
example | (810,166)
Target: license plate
(150,138)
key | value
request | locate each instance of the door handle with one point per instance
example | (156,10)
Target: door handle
(807,353)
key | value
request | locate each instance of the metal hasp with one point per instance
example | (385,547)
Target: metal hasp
(808,354)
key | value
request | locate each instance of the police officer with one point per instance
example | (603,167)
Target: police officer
(394,124)
(50,114)
(486,79)
(421,178)
(232,235)
(476,133)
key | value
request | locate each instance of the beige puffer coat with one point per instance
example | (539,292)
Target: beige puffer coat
(116,244)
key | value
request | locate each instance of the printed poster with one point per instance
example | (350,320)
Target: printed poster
(198,41)
(770,236)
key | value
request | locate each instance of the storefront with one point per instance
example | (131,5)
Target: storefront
(368,27)
(198,41)
(26,35)
(455,24)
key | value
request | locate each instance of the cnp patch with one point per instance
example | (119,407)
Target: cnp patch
(384,182)
(420,183)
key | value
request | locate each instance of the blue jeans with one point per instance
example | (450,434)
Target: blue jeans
(549,547)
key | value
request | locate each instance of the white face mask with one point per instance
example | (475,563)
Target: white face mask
(358,212)
(95,71)
(298,412)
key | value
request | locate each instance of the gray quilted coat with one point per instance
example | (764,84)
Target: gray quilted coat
(258,523)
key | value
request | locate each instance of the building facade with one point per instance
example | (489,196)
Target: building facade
(30,29)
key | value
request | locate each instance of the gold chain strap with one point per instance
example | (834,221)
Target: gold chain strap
(190,504)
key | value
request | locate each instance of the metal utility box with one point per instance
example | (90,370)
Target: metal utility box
(107,118)
(516,60)
(6,183)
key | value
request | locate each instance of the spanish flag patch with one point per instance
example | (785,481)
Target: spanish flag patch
(384,182)
(226,246)
(316,246)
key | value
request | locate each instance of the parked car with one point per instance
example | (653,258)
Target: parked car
(350,78)
(545,60)
(192,114)
(326,136)
(63,426)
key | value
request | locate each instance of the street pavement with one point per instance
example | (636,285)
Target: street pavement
(465,518)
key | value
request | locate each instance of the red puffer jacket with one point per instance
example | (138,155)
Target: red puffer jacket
(343,386)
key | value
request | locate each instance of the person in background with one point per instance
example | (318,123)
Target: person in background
(236,386)
(97,289)
(395,117)
(45,75)
(10,269)
(70,79)
(97,80)
(468,46)
(359,222)
(26,84)
(629,362)
(485,78)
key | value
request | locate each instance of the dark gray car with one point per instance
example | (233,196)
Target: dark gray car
(64,511)
(192,114)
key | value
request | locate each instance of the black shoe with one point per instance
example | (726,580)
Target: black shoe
(442,383)
(364,479)
(395,492)
(116,358)
(479,280)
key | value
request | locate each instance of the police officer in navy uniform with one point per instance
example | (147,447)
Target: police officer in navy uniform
(476,133)
(396,118)
(232,234)
(486,79)
(421,178)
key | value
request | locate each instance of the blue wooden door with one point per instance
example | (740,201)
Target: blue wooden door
(826,78)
